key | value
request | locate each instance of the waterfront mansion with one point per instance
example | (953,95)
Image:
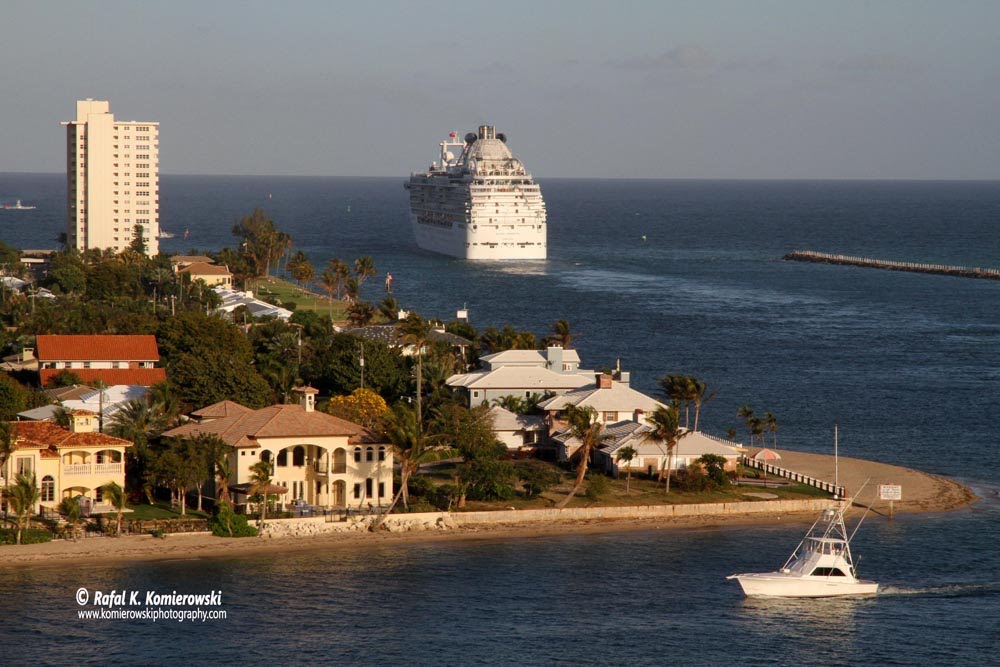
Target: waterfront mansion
(319,459)
(66,463)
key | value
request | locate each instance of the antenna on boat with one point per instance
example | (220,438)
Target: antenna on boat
(836,460)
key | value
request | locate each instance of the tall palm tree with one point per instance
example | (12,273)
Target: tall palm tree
(411,448)
(416,330)
(22,497)
(260,482)
(626,455)
(115,495)
(584,426)
(771,424)
(222,473)
(330,283)
(746,414)
(665,422)
(699,396)
(360,313)
(364,268)
(679,389)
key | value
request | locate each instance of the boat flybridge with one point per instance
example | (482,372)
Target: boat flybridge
(821,566)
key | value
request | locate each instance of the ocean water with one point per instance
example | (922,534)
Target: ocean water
(908,365)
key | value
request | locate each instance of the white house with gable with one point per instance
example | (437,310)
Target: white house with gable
(522,373)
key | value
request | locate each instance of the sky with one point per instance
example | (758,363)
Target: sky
(627,89)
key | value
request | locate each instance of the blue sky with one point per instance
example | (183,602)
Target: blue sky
(708,89)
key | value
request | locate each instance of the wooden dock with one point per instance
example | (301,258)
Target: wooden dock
(870,263)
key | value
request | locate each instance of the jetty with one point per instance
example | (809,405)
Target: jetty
(871,263)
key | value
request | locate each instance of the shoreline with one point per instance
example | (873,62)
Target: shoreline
(924,493)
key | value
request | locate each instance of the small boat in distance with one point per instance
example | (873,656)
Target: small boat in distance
(820,567)
(165,235)
(17,207)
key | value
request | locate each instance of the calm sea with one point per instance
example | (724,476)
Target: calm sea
(907,364)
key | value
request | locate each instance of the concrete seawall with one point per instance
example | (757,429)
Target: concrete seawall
(453,520)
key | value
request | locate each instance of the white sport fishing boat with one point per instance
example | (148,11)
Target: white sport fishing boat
(820,567)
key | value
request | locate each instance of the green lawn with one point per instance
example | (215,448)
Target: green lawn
(285,292)
(642,491)
(160,510)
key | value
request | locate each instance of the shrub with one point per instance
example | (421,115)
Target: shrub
(597,486)
(28,536)
(537,477)
(227,523)
(420,486)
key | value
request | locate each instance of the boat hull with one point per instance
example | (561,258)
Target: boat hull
(481,242)
(779,586)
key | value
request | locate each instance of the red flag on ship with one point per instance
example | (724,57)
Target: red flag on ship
(452,135)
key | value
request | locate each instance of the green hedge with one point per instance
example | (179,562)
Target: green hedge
(28,536)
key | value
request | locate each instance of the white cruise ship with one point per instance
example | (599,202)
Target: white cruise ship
(478,204)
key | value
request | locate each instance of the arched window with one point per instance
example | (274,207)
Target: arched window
(299,456)
(265,456)
(370,454)
(339,461)
(283,458)
(48,490)
(357,455)
(381,453)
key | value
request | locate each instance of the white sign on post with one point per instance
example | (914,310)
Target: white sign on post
(890,492)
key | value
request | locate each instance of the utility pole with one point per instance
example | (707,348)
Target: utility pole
(362,362)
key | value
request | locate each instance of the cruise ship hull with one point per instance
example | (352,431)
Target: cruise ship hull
(484,242)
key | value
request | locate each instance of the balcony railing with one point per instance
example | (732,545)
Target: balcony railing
(76,469)
(108,469)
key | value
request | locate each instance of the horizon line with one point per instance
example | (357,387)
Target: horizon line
(927,179)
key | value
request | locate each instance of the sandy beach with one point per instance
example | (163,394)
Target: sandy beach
(922,493)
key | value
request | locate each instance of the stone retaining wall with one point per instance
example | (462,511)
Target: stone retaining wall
(450,520)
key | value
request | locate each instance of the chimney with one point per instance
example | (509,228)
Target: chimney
(638,415)
(554,355)
(82,421)
(603,381)
(307,397)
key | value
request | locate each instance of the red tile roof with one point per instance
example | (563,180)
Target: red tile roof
(221,409)
(32,435)
(276,421)
(203,269)
(96,348)
(145,377)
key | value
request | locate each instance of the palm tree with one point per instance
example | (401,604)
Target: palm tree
(364,268)
(70,510)
(560,335)
(746,414)
(411,449)
(360,313)
(260,482)
(415,330)
(514,404)
(330,283)
(679,389)
(666,432)
(583,425)
(389,308)
(626,455)
(771,424)
(115,495)
(22,498)
(222,473)
(700,396)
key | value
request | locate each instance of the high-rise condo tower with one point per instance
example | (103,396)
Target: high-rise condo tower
(112,178)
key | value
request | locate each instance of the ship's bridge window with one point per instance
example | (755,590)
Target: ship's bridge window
(828,572)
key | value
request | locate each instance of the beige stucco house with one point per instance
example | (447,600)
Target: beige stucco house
(67,463)
(317,458)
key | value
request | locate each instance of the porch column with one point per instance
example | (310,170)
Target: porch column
(329,484)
